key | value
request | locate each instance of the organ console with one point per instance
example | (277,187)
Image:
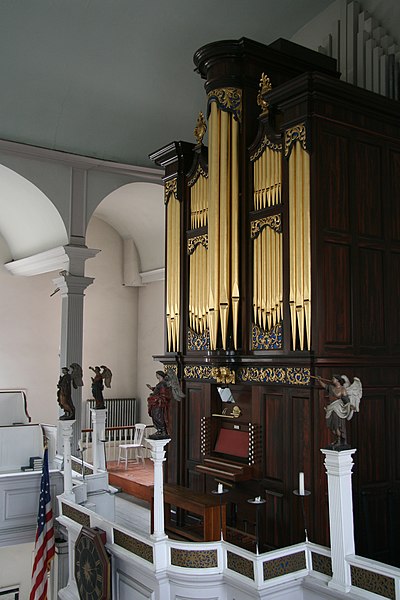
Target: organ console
(282,248)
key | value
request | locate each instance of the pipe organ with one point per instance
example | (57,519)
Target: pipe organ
(282,244)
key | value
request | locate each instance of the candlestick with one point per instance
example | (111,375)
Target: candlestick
(220,488)
(301,484)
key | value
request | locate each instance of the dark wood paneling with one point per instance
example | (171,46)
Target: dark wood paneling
(372,299)
(367,189)
(372,449)
(337,295)
(197,407)
(275,436)
(394,191)
(393,315)
(333,186)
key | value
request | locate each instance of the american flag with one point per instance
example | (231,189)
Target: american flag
(44,543)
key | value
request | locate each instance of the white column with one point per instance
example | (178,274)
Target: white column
(67,433)
(72,286)
(158,457)
(339,465)
(99,416)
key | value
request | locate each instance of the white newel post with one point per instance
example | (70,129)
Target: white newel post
(67,433)
(339,466)
(99,416)
(158,457)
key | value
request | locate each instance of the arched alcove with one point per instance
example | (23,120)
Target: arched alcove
(29,223)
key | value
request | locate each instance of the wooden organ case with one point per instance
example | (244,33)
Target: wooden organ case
(282,262)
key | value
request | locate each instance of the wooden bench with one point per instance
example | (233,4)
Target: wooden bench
(210,507)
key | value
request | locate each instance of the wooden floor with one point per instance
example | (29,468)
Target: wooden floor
(137,479)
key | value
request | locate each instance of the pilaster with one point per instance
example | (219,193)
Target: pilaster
(158,457)
(98,438)
(339,466)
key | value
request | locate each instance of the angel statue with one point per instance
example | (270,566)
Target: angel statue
(106,375)
(64,391)
(345,401)
(159,401)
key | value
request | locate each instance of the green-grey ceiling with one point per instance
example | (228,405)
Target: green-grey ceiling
(115,78)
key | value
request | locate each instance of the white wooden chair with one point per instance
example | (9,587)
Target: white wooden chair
(136,446)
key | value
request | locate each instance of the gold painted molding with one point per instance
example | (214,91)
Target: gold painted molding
(293,135)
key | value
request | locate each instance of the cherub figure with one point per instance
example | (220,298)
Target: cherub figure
(159,401)
(345,400)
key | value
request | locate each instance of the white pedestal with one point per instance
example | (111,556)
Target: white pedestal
(158,457)
(339,465)
(99,416)
(67,433)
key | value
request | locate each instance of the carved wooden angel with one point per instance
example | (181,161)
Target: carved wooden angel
(106,375)
(344,401)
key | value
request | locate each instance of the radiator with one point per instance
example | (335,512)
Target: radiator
(120,411)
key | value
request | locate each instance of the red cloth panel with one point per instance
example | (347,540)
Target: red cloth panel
(234,442)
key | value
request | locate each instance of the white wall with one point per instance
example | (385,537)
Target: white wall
(16,568)
(111,315)
(150,340)
(123,328)
(30,339)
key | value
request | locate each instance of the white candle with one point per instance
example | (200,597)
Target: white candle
(301,484)
(220,488)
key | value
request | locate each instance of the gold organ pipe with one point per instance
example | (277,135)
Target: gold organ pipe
(213,225)
(224,248)
(265,270)
(272,236)
(168,261)
(255,281)
(292,249)
(235,230)
(307,244)
(299,244)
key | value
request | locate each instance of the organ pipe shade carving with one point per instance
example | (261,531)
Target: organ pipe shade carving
(173,271)
(299,240)
(267,170)
(223,207)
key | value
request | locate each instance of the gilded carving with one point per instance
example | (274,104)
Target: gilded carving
(198,341)
(170,187)
(265,86)
(273,221)
(199,171)
(200,129)
(229,99)
(195,241)
(133,545)
(223,375)
(171,369)
(265,143)
(281,375)
(197,372)
(267,340)
(295,134)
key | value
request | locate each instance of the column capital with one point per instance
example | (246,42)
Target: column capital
(77,256)
(338,462)
(72,284)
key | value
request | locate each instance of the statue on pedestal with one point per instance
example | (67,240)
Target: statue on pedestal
(158,403)
(97,384)
(64,390)
(344,401)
